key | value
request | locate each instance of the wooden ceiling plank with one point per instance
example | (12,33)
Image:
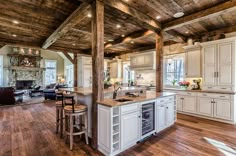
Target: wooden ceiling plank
(76,17)
(147,21)
(202,15)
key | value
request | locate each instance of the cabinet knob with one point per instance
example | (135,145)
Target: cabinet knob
(166,107)
(139,116)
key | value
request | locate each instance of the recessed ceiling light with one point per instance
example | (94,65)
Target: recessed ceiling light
(186,32)
(118,26)
(15,22)
(104,42)
(89,15)
(132,42)
(73,44)
(123,35)
(158,17)
(14,35)
(178,14)
(111,40)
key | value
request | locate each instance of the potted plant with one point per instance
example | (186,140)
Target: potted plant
(184,84)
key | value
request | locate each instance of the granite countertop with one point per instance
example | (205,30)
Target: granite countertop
(198,91)
(150,95)
(88,90)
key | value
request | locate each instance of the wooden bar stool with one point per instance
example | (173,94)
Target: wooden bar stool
(59,112)
(73,126)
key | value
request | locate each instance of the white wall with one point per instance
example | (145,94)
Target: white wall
(149,77)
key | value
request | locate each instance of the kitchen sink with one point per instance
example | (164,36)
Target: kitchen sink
(123,100)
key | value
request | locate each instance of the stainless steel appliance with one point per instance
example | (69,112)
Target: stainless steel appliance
(148,118)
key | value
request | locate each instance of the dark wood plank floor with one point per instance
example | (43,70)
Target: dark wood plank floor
(30,131)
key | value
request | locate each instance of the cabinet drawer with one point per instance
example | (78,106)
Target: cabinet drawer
(215,96)
(165,100)
(188,93)
(222,96)
(130,108)
(218,88)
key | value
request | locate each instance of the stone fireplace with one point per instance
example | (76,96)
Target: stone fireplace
(24,84)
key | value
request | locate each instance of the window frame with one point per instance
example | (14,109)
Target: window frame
(45,62)
(165,59)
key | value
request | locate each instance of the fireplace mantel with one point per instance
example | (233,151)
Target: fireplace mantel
(25,68)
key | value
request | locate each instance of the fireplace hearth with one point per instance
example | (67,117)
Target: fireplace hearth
(24,84)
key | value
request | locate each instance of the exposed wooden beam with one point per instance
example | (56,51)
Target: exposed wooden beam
(201,15)
(159,62)
(97,63)
(75,62)
(218,31)
(144,19)
(76,17)
(68,57)
(174,36)
(2,45)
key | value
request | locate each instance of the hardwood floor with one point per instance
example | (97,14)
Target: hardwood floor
(30,130)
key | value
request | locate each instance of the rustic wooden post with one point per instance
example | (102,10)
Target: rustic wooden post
(97,62)
(159,62)
(75,70)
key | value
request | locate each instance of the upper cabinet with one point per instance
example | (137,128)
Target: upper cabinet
(192,61)
(115,68)
(219,65)
(145,60)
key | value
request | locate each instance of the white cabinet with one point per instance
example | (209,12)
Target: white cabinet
(87,76)
(205,106)
(115,68)
(144,60)
(192,61)
(179,102)
(223,109)
(165,113)
(130,129)
(189,104)
(84,71)
(219,65)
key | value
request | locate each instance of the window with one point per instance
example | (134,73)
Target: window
(51,71)
(1,70)
(128,75)
(173,70)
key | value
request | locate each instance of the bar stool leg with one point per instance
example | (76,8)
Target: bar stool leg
(71,132)
(61,122)
(66,127)
(57,120)
(86,127)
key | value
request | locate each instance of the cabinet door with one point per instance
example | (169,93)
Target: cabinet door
(193,63)
(179,102)
(205,106)
(161,117)
(130,129)
(170,113)
(87,76)
(209,65)
(148,59)
(140,60)
(225,59)
(222,109)
(189,104)
(113,69)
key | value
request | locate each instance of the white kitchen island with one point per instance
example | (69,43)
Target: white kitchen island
(122,124)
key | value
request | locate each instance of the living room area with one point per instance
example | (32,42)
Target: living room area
(31,76)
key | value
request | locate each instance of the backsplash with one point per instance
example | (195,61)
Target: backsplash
(145,77)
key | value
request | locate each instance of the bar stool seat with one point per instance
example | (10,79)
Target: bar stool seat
(77,108)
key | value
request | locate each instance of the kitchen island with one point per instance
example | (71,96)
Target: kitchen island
(127,120)
(84,96)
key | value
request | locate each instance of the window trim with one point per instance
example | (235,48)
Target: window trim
(174,56)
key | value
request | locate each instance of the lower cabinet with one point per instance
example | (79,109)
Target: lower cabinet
(205,106)
(189,104)
(222,109)
(130,129)
(179,103)
(161,117)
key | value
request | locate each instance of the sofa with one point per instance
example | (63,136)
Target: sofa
(50,91)
(10,96)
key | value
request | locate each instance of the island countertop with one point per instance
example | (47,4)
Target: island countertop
(150,95)
(88,90)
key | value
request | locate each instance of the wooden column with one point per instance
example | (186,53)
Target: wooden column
(159,62)
(75,70)
(97,62)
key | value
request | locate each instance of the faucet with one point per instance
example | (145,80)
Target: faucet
(115,92)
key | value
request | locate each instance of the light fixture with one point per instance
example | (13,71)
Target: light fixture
(158,17)
(104,42)
(15,22)
(186,32)
(118,26)
(14,35)
(89,15)
(110,40)
(123,35)
(132,42)
(73,44)
(178,15)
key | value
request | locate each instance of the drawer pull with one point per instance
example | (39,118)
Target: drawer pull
(162,106)
(204,94)
(222,96)
(162,101)
(209,87)
(223,88)
(189,93)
